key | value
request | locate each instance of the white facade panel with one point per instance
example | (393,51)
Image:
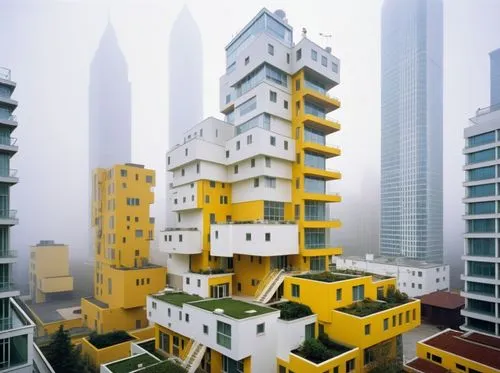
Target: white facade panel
(207,171)
(212,130)
(183,197)
(192,150)
(197,284)
(245,191)
(254,239)
(181,241)
(291,334)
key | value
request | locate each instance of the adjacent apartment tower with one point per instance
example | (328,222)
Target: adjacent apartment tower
(123,228)
(16,329)
(482,226)
(110,122)
(412,130)
(495,78)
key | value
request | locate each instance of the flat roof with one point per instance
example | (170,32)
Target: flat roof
(234,308)
(426,366)
(98,303)
(399,261)
(132,363)
(476,347)
(177,299)
(443,299)
(49,311)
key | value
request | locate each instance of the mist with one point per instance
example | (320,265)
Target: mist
(49,45)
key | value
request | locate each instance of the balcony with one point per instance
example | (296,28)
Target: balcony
(181,241)
(8,144)
(8,176)
(323,148)
(322,173)
(259,238)
(9,120)
(321,221)
(320,122)
(323,196)
(4,73)
(320,249)
(8,217)
(8,256)
(318,95)
(386,319)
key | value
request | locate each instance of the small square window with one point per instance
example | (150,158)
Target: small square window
(238,145)
(268,237)
(205,329)
(285,104)
(252,162)
(261,328)
(247,60)
(324,61)
(273,96)
(248,236)
(298,54)
(272,140)
(256,182)
(270,49)
(212,184)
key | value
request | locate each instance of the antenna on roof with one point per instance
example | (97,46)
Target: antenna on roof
(304,32)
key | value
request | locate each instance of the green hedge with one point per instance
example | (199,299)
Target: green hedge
(293,310)
(164,367)
(109,339)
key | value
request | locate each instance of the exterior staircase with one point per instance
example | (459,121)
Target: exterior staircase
(269,285)
(194,356)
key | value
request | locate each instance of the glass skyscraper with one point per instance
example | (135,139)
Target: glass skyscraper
(412,129)
(495,78)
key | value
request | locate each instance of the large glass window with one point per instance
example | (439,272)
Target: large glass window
(315,136)
(13,351)
(358,293)
(5,91)
(482,156)
(317,263)
(257,75)
(486,326)
(481,208)
(313,185)
(481,306)
(315,210)
(481,269)
(314,160)
(318,111)
(248,106)
(315,238)
(484,138)
(263,121)
(244,40)
(274,210)
(481,246)
(481,226)
(224,334)
(481,173)
(311,83)
(484,190)
(477,287)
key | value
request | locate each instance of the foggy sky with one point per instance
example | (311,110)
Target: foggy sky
(49,46)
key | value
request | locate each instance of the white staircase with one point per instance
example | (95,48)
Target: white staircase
(271,284)
(194,356)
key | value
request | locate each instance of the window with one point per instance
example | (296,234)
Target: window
(238,145)
(336,369)
(310,331)
(420,286)
(186,152)
(123,173)
(295,290)
(272,140)
(339,294)
(248,106)
(248,236)
(367,329)
(419,273)
(224,334)
(227,153)
(400,319)
(205,329)
(212,184)
(247,60)
(183,172)
(228,99)
(285,104)
(249,139)
(261,328)
(186,317)
(180,237)
(274,210)
(212,218)
(138,233)
(133,201)
(386,324)
(298,55)
(314,55)
(436,358)
(270,182)
(268,237)
(216,237)
(285,145)
(207,199)
(349,366)
(236,169)
(460,367)
(394,320)
(270,49)
(256,182)
(414,314)
(149,179)
(288,58)
(168,312)
(358,293)
(324,61)
(273,96)
(197,168)
(268,161)
(187,280)
(413,285)
(252,162)
(335,67)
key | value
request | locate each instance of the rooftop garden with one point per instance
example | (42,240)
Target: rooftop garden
(109,339)
(368,306)
(293,310)
(164,367)
(133,363)
(353,272)
(320,350)
(233,308)
(212,271)
(177,299)
(325,277)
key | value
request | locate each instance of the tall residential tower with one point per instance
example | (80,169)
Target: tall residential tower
(495,77)
(110,118)
(412,129)
(16,329)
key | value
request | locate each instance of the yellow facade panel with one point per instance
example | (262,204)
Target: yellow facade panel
(56,284)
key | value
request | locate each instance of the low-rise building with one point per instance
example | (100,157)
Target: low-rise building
(456,351)
(442,308)
(414,277)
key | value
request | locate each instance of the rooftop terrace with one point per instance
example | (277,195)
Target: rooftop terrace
(368,307)
(234,308)
(131,364)
(177,299)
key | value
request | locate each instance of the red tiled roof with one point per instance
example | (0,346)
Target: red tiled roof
(443,299)
(426,366)
(459,344)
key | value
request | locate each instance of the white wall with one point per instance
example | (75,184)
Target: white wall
(212,130)
(177,264)
(232,239)
(190,244)
(203,290)
(208,171)
(244,191)
(197,149)
(291,334)
(186,196)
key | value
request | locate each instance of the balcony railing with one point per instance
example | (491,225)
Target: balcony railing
(179,229)
(317,88)
(320,218)
(7,286)
(8,214)
(9,141)
(8,172)
(4,73)
(321,245)
(282,222)
(8,253)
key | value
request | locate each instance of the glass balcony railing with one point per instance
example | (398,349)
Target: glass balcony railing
(8,253)
(314,110)
(319,218)
(7,286)
(9,141)
(4,73)
(316,245)
(8,214)
(318,88)
(8,172)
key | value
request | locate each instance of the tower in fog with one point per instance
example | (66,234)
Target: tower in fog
(412,129)
(185,77)
(495,77)
(110,122)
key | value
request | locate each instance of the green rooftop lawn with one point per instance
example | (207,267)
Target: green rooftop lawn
(177,299)
(164,367)
(368,307)
(233,308)
(325,277)
(128,365)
